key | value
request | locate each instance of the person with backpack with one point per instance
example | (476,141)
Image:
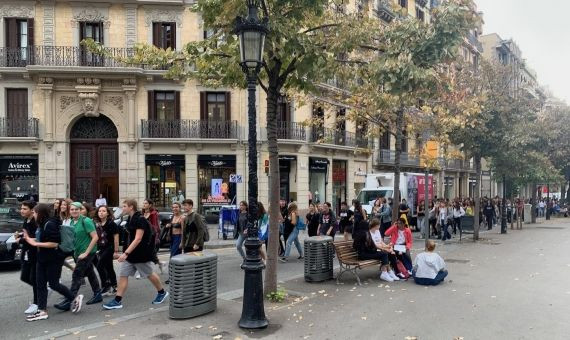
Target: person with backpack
(137,257)
(108,248)
(29,254)
(194,230)
(151,214)
(49,258)
(85,250)
(293,225)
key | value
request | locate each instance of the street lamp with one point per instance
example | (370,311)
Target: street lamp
(251,32)
(504,207)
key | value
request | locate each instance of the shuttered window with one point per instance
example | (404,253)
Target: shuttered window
(164,35)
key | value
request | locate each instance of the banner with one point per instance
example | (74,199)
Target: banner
(422,185)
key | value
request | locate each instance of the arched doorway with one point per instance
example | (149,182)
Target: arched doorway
(94,161)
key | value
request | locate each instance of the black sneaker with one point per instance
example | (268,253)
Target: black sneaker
(97,298)
(64,305)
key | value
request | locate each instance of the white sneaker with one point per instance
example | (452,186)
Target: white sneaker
(138,276)
(32,309)
(393,275)
(386,277)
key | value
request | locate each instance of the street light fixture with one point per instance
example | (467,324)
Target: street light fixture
(251,32)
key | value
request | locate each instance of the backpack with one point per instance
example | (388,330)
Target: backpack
(67,234)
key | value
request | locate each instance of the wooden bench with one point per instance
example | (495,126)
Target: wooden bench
(348,260)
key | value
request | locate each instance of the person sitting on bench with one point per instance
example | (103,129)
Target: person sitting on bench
(369,246)
(429,269)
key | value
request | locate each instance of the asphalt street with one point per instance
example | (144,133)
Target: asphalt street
(16,295)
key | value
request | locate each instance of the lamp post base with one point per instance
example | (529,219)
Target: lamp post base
(253,311)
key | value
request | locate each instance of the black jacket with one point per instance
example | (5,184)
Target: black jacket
(144,250)
(49,232)
(30,227)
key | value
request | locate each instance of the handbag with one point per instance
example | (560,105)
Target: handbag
(402,269)
(263,228)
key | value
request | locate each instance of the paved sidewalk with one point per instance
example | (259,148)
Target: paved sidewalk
(499,288)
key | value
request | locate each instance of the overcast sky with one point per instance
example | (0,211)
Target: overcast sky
(542,31)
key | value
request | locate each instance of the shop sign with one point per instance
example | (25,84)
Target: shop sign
(216,163)
(287,158)
(318,164)
(24,166)
(235,178)
(215,201)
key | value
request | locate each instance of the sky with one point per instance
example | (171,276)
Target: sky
(541,29)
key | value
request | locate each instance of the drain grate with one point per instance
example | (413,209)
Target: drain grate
(456,261)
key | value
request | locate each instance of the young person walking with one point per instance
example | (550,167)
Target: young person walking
(29,253)
(151,214)
(242,228)
(49,259)
(313,217)
(137,257)
(291,224)
(327,222)
(193,229)
(108,249)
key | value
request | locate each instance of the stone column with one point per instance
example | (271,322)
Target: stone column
(130,88)
(46,84)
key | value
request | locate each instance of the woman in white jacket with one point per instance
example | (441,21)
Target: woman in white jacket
(429,268)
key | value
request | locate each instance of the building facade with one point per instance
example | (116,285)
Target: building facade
(78,125)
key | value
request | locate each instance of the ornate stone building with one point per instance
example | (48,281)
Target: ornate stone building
(77,125)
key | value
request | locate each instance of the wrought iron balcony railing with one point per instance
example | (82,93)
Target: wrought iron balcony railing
(19,127)
(337,137)
(66,56)
(291,131)
(189,129)
(388,157)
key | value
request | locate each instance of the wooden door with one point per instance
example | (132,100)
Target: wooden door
(16,112)
(94,170)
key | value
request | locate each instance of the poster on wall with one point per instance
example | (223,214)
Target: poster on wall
(412,192)
(216,189)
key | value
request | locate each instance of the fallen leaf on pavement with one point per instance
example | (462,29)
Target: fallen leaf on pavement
(363,318)
(198,327)
(325,295)
(493,297)
(217,337)
(92,337)
(411,338)
(321,291)
(399,311)
(311,325)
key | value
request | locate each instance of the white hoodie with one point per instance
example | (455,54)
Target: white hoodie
(428,265)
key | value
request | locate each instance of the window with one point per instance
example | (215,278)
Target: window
(283,109)
(215,106)
(164,35)
(164,105)
(19,37)
(17,104)
(385,141)
(405,141)
(403,3)
(93,30)
(420,15)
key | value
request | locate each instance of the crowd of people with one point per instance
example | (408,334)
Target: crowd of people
(53,233)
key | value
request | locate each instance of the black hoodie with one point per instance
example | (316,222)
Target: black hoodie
(49,232)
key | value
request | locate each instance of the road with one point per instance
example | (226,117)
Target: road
(16,296)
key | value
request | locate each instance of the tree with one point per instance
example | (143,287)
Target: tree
(305,39)
(400,73)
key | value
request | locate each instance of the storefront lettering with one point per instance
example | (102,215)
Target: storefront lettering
(19,167)
(216,163)
(165,163)
(215,200)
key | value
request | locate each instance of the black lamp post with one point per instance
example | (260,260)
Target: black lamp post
(504,207)
(251,32)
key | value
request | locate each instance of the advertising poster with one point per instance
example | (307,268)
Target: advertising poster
(421,187)
(216,189)
(412,192)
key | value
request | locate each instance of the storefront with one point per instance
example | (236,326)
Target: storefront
(214,187)
(286,165)
(339,184)
(19,176)
(165,179)
(318,179)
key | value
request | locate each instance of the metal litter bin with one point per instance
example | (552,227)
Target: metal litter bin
(318,258)
(193,284)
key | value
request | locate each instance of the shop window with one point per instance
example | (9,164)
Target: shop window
(164,35)
(166,179)
(214,187)
(19,178)
(215,106)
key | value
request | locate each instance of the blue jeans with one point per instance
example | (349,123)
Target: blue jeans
(445,235)
(239,244)
(293,237)
(431,282)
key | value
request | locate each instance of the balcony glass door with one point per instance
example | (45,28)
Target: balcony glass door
(91,30)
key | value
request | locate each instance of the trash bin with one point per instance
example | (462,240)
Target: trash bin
(318,258)
(193,284)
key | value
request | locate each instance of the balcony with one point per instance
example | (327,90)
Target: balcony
(291,131)
(189,129)
(422,3)
(323,135)
(388,157)
(384,11)
(26,128)
(66,56)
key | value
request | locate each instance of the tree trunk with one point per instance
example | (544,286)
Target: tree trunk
(477,197)
(562,191)
(533,204)
(274,213)
(397,159)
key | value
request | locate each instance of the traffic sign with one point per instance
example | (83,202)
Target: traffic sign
(235,178)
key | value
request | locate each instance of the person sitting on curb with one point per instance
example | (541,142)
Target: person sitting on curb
(401,235)
(369,246)
(429,269)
